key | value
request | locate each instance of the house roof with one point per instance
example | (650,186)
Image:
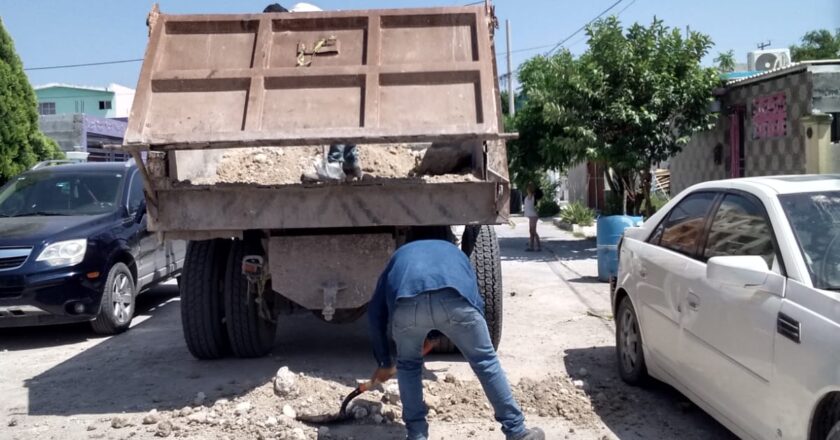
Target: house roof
(787,70)
(116,88)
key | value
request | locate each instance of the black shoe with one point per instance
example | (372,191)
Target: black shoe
(530,434)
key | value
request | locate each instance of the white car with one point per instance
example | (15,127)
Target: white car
(731,294)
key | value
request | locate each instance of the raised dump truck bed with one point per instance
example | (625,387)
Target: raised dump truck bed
(226,108)
(212,82)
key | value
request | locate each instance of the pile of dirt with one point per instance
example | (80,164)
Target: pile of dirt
(390,161)
(272,166)
(453,400)
(266,165)
(270,410)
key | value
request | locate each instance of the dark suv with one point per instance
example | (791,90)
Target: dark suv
(74,246)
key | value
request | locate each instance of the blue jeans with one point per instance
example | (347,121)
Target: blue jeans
(447,311)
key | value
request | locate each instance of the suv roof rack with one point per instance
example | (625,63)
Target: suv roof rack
(52,163)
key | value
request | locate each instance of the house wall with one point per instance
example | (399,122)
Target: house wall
(577,184)
(74,100)
(68,130)
(763,156)
(123,100)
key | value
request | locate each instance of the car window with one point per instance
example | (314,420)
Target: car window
(135,193)
(49,193)
(740,227)
(682,228)
(815,219)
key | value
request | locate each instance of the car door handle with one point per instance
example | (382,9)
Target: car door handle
(693,301)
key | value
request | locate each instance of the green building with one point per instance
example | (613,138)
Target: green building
(113,101)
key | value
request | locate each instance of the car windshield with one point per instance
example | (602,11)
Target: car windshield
(815,218)
(49,193)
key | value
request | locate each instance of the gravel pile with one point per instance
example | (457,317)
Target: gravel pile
(274,166)
(270,411)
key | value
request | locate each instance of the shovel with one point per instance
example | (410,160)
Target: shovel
(343,415)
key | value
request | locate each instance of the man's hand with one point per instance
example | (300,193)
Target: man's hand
(382,375)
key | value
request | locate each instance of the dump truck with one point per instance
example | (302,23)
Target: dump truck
(217,89)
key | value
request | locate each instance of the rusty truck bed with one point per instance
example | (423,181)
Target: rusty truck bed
(215,82)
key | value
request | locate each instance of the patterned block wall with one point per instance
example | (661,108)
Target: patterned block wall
(766,156)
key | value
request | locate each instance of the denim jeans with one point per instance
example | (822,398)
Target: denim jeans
(447,311)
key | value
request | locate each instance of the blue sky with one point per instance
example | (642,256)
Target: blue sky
(58,32)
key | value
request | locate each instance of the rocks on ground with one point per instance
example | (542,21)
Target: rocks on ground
(285,383)
(270,411)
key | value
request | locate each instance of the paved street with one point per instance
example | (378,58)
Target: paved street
(64,382)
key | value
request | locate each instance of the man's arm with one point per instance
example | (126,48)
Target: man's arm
(378,324)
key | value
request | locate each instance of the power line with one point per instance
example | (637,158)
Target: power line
(583,27)
(625,8)
(528,49)
(71,66)
(554,46)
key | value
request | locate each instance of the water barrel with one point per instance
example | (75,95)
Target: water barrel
(609,233)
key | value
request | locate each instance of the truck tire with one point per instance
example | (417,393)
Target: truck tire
(117,305)
(482,247)
(249,333)
(202,306)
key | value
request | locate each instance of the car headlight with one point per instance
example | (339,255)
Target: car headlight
(64,253)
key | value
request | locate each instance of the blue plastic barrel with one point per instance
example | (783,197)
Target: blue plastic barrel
(609,233)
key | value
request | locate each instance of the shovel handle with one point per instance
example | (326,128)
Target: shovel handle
(428,346)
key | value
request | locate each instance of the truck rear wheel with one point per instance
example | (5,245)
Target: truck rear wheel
(202,307)
(251,334)
(482,247)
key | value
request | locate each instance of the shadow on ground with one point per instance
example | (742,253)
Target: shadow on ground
(513,249)
(637,413)
(29,338)
(149,367)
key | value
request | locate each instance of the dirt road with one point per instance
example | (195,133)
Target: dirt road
(65,383)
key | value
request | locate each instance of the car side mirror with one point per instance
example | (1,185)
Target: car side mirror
(741,271)
(141,211)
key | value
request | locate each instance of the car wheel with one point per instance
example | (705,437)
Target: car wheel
(117,307)
(629,346)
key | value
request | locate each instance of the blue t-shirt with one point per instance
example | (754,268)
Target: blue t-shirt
(415,268)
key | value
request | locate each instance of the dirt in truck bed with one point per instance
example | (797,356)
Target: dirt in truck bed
(286,165)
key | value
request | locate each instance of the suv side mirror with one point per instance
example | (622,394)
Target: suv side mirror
(141,211)
(741,271)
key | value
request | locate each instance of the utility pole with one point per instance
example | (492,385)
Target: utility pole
(511,101)
(762,46)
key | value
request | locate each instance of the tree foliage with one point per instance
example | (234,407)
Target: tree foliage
(22,143)
(725,61)
(632,100)
(817,45)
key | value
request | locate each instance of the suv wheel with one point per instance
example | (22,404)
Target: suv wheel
(117,307)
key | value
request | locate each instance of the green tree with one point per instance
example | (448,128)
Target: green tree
(22,143)
(725,61)
(817,45)
(632,100)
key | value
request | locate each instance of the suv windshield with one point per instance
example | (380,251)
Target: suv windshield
(50,193)
(815,218)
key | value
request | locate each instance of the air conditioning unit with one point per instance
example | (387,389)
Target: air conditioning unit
(768,59)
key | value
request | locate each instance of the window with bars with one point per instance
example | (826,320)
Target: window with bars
(46,108)
(104,105)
